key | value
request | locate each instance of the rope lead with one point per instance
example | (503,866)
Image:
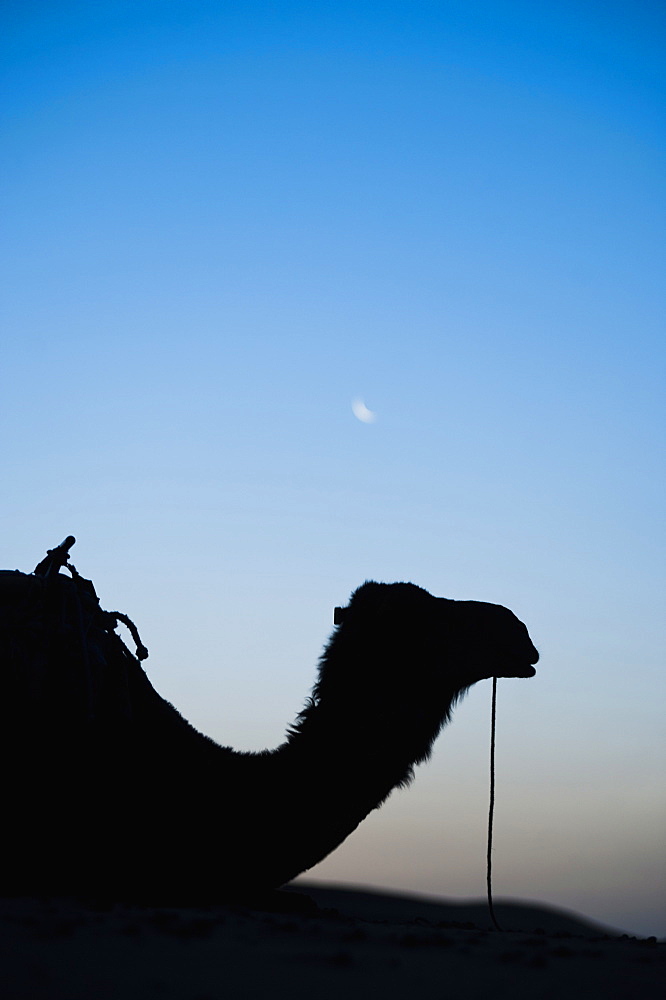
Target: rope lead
(492,808)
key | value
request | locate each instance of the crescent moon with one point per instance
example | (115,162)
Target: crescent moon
(362,413)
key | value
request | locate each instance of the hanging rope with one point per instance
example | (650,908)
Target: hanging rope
(491,810)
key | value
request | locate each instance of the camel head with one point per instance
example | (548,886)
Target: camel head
(491,640)
(472,639)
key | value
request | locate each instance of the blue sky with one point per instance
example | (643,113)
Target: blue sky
(223,223)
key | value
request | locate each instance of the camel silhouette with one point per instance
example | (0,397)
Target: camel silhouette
(108,790)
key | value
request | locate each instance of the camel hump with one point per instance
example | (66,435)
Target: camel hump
(22,598)
(62,663)
(16,586)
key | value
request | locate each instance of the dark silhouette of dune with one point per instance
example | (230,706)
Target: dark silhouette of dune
(351,945)
(513,914)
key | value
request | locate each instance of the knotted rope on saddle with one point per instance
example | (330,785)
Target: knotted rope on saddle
(93,658)
(58,558)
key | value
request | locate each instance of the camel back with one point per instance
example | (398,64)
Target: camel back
(74,698)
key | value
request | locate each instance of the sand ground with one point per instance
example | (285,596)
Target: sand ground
(319,941)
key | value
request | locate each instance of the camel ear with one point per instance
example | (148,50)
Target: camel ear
(369,594)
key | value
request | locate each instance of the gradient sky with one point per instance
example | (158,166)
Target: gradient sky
(223,222)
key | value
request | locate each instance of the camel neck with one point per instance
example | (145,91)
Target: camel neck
(374,737)
(335,768)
